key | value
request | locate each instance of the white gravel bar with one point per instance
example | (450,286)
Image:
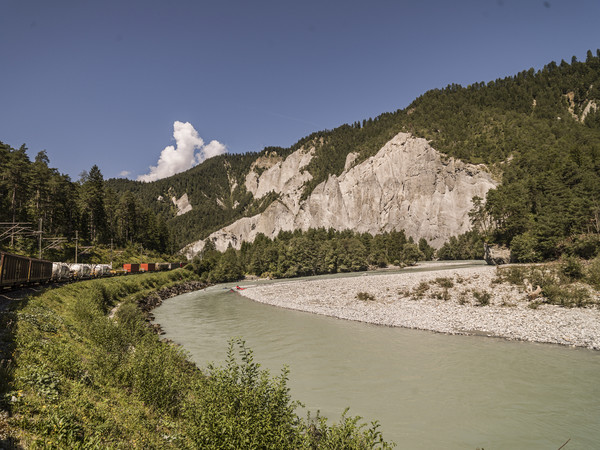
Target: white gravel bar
(452,310)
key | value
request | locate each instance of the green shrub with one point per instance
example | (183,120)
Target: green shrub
(241,406)
(482,298)
(568,296)
(365,296)
(445,282)
(592,274)
(571,268)
(419,291)
(349,433)
(523,248)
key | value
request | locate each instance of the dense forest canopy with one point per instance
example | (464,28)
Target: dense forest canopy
(35,196)
(538,132)
(312,252)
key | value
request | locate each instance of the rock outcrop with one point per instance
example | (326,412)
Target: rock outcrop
(183,204)
(495,255)
(406,185)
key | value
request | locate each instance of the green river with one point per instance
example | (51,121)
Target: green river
(427,390)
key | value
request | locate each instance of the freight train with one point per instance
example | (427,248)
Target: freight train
(17,270)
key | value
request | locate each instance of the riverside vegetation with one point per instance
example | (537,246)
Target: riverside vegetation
(81,368)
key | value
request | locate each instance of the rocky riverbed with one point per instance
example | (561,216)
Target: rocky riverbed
(455,301)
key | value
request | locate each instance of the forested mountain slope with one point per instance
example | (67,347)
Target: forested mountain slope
(537,132)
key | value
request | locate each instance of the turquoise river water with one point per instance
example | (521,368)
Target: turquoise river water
(427,390)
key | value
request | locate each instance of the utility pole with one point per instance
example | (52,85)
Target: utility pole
(111,252)
(40,238)
(76,242)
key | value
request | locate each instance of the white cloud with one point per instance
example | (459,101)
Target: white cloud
(125,173)
(190,151)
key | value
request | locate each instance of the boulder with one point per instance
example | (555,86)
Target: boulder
(496,255)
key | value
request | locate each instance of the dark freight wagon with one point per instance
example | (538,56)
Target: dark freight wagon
(16,270)
(39,271)
(148,267)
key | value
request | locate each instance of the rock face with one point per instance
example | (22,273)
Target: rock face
(183,204)
(496,255)
(406,185)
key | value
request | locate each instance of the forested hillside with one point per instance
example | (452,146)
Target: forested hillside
(538,132)
(34,195)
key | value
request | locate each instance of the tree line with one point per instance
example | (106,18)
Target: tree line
(32,193)
(312,252)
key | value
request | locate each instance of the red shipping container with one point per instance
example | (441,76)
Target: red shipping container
(148,267)
(131,268)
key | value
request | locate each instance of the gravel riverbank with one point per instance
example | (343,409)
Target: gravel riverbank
(454,301)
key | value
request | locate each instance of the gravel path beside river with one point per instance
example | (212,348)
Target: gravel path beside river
(446,301)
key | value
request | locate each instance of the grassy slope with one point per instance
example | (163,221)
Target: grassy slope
(74,377)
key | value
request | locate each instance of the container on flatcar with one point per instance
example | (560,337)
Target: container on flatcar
(162,266)
(131,268)
(147,267)
(60,271)
(81,270)
(101,270)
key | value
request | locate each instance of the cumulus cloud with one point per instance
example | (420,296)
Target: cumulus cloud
(125,173)
(189,151)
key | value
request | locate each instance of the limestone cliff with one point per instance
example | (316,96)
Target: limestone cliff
(183,204)
(406,185)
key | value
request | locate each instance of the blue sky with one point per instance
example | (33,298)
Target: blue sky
(104,82)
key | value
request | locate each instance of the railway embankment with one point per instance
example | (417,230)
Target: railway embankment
(67,366)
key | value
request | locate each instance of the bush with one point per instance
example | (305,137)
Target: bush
(240,406)
(523,248)
(592,275)
(482,298)
(568,296)
(419,291)
(445,282)
(571,268)
(365,296)
(584,246)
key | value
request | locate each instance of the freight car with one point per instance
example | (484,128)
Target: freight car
(17,270)
(147,267)
(151,267)
(60,271)
(131,268)
(81,271)
(102,270)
